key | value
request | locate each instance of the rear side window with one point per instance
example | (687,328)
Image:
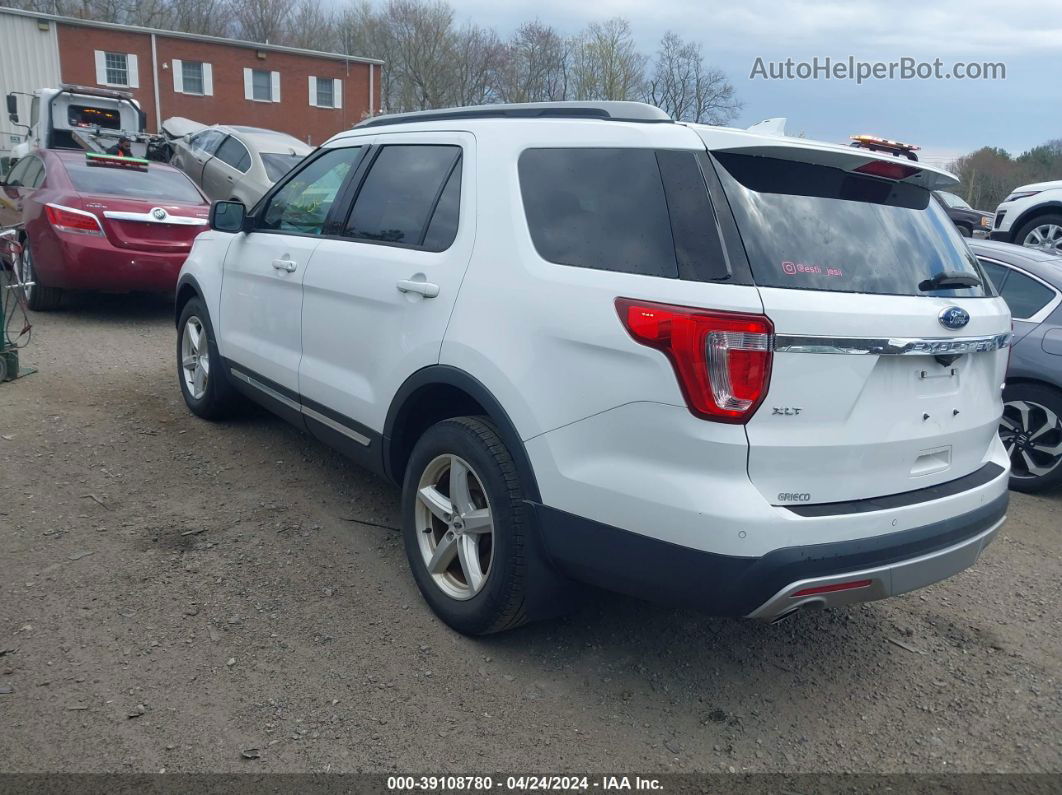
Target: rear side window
(598,208)
(812,227)
(1025,296)
(235,154)
(400,194)
(154,183)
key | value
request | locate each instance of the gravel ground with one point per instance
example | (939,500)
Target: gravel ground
(175,593)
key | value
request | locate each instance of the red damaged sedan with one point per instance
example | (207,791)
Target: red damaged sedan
(100,222)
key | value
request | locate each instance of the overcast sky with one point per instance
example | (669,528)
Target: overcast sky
(945,117)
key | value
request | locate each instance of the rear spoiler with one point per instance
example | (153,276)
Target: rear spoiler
(846,158)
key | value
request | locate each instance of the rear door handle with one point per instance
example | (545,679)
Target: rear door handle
(427,289)
(284,265)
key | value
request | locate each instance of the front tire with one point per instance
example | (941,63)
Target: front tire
(468,530)
(965,231)
(1044,233)
(39,297)
(1031,430)
(204,384)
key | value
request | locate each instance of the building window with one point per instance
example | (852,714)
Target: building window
(192,74)
(117,68)
(261,85)
(193,77)
(325,92)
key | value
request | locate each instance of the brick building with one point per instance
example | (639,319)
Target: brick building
(309,94)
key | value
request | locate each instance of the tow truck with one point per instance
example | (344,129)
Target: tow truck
(84,117)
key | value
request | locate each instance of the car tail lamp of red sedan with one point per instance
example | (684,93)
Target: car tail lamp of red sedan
(67,219)
(722,359)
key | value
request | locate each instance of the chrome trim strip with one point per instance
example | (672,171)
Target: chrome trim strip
(148,218)
(336,426)
(891,346)
(292,404)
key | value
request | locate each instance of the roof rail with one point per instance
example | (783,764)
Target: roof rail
(611,111)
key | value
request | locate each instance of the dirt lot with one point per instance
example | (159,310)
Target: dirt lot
(176,592)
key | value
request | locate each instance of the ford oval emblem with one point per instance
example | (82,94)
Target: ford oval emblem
(159,213)
(954,317)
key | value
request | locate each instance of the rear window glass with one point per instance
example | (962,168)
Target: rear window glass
(817,228)
(598,208)
(277,165)
(154,184)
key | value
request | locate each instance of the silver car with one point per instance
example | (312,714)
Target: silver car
(232,162)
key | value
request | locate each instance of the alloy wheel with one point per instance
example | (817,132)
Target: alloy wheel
(1047,237)
(455,528)
(195,358)
(26,274)
(1032,436)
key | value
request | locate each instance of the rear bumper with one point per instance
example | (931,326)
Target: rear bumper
(95,264)
(762,587)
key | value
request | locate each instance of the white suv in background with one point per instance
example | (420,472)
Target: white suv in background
(700,365)
(1031,216)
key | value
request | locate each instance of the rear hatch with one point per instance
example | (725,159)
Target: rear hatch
(877,386)
(144,208)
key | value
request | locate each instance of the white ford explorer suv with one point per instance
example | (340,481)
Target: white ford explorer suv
(700,365)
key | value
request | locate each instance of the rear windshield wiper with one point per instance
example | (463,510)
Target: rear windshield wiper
(947,280)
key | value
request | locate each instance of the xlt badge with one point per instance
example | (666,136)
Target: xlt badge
(785,411)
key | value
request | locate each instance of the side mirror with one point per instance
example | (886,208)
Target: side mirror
(228,216)
(12,108)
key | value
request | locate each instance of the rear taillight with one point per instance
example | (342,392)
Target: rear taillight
(722,359)
(67,219)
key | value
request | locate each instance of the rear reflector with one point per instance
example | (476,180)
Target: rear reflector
(883,168)
(722,359)
(67,219)
(839,586)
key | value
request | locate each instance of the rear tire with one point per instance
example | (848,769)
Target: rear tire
(965,231)
(472,546)
(40,297)
(1043,232)
(200,372)
(1031,431)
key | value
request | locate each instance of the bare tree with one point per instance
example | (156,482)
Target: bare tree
(423,39)
(262,20)
(536,65)
(212,17)
(476,60)
(606,63)
(311,26)
(684,88)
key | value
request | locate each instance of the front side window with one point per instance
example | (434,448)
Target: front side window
(262,85)
(117,68)
(812,227)
(302,204)
(207,141)
(192,77)
(599,208)
(326,97)
(401,192)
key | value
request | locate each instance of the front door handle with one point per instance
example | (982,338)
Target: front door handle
(284,265)
(427,289)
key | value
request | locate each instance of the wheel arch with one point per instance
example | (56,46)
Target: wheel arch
(187,289)
(1047,208)
(440,392)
